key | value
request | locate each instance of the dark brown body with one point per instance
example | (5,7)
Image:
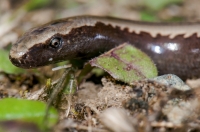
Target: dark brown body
(183,61)
(178,55)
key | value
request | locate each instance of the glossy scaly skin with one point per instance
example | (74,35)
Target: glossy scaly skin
(175,48)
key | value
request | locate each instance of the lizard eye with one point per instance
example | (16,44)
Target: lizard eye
(55,42)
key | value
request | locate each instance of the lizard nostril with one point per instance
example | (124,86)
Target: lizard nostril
(24,56)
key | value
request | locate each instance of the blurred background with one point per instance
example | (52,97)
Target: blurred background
(18,16)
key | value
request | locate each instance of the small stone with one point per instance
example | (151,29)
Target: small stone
(172,80)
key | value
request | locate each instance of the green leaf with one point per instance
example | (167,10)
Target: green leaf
(26,110)
(147,16)
(126,63)
(159,4)
(36,4)
(6,65)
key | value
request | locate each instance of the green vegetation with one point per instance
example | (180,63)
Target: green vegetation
(26,110)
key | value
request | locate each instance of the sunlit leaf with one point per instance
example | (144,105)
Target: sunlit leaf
(126,63)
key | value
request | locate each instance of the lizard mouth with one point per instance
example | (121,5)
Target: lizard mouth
(22,63)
